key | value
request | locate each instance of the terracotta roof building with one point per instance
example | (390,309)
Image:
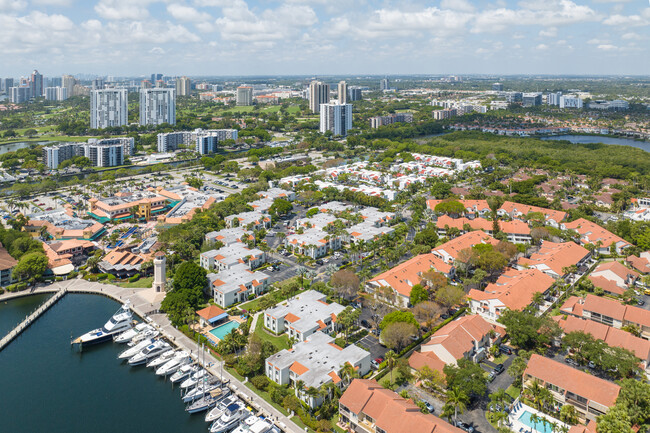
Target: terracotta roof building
(367,407)
(403,277)
(316,362)
(641,263)
(211,315)
(613,277)
(468,337)
(513,290)
(552,258)
(590,395)
(592,233)
(7,264)
(448,251)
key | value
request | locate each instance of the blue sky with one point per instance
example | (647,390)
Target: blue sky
(319,37)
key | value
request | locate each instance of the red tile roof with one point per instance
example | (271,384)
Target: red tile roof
(210,312)
(458,336)
(585,385)
(403,277)
(556,256)
(515,289)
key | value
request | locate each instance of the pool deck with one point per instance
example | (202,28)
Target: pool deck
(205,330)
(518,426)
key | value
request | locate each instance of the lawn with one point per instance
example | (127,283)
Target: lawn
(281,342)
(500,359)
(142,283)
(513,392)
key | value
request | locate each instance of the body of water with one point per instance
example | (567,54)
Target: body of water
(645,145)
(13,312)
(49,387)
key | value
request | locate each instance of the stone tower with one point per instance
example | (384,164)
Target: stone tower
(159,271)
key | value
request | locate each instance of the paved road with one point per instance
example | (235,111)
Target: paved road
(372,345)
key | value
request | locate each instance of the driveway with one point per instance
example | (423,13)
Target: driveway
(372,345)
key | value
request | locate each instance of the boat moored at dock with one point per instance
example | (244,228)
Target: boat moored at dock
(118,323)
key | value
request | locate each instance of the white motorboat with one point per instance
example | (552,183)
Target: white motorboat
(151,351)
(179,359)
(220,408)
(183,372)
(127,353)
(256,425)
(126,336)
(231,417)
(202,388)
(149,332)
(209,399)
(118,323)
(193,379)
(161,359)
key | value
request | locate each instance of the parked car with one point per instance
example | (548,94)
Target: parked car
(570,361)
(505,349)
(640,302)
(429,406)
(319,262)
(498,369)
(464,427)
(365,323)
(375,363)
(491,376)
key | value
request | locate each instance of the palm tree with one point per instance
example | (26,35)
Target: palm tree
(299,386)
(498,399)
(390,357)
(458,399)
(534,418)
(348,373)
(499,417)
(536,391)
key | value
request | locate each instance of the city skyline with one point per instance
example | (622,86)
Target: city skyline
(303,37)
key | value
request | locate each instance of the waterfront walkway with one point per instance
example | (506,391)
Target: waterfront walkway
(146,304)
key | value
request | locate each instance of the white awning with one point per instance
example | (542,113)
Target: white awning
(63,270)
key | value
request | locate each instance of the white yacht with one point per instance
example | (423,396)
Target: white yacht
(193,379)
(231,417)
(126,336)
(183,372)
(127,353)
(220,408)
(149,332)
(208,400)
(170,367)
(149,352)
(118,323)
(205,386)
(256,425)
(161,359)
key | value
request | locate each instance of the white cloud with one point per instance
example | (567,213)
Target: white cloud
(642,19)
(596,41)
(54,2)
(550,32)
(12,5)
(34,32)
(156,50)
(542,47)
(187,13)
(631,35)
(607,47)
(123,9)
(392,22)
(457,5)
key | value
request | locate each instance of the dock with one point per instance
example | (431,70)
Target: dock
(32,318)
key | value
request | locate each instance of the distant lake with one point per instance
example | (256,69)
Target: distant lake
(645,145)
(12,147)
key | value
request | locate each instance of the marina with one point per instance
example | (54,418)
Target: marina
(204,398)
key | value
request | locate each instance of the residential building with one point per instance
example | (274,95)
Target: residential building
(395,284)
(444,114)
(21,94)
(97,83)
(468,337)
(273,193)
(591,396)
(229,236)
(237,284)
(55,155)
(108,107)
(157,106)
(249,220)
(554,258)
(302,315)
(367,407)
(608,312)
(244,95)
(376,122)
(612,336)
(384,84)
(315,362)
(592,233)
(207,141)
(354,94)
(56,93)
(229,256)
(68,81)
(518,232)
(514,97)
(63,225)
(343,92)
(183,86)
(313,243)
(513,290)
(448,251)
(319,93)
(554,98)
(497,87)
(336,118)
(109,152)
(211,315)
(7,264)
(36,84)
(170,141)
(613,277)
(641,263)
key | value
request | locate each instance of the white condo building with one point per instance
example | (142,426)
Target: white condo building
(157,106)
(108,107)
(56,93)
(336,118)
(319,93)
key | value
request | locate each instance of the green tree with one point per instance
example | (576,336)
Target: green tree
(398,316)
(450,207)
(418,294)
(457,398)
(527,331)
(635,396)
(568,414)
(467,376)
(616,420)
(280,206)
(397,335)
(188,284)
(31,266)
(449,296)
(428,236)
(347,318)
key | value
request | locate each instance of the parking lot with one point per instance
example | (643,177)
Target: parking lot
(372,345)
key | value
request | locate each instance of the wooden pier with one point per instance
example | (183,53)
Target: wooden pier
(32,318)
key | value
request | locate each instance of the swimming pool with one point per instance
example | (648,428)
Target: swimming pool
(541,427)
(221,330)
